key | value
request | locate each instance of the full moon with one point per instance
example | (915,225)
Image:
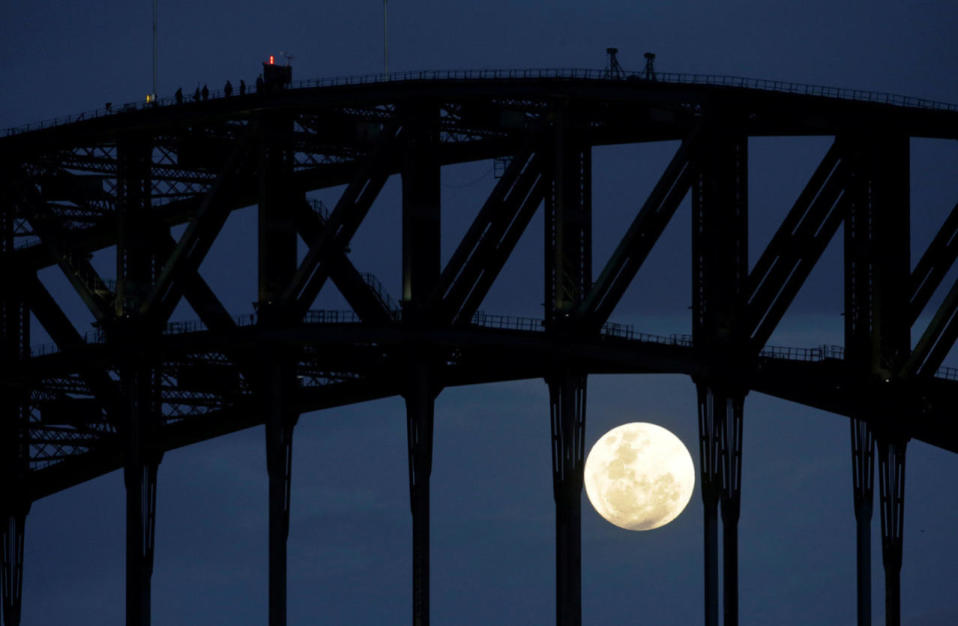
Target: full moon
(639,476)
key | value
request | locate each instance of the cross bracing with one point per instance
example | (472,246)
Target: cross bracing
(138,384)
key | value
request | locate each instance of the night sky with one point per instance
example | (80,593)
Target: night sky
(492,510)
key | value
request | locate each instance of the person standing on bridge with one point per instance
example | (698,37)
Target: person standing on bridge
(228,89)
(242,87)
(179,95)
(206,93)
(196,94)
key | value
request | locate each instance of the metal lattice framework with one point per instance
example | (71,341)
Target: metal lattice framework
(121,394)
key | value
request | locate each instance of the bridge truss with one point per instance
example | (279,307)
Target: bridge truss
(120,395)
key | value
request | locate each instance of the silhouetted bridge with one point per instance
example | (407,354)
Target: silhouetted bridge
(137,385)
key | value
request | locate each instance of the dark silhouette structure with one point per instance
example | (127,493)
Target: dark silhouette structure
(138,385)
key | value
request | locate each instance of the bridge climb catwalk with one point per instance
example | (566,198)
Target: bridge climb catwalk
(121,394)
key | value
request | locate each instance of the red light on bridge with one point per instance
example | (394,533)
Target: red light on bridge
(272,59)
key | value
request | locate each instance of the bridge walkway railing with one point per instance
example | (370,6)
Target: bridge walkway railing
(720,80)
(512,323)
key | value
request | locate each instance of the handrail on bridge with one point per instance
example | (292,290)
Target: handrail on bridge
(510,322)
(719,80)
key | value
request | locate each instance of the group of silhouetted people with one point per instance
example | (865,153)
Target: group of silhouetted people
(204,93)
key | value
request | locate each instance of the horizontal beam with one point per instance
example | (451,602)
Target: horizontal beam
(497,356)
(927,405)
(108,456)
(779,110)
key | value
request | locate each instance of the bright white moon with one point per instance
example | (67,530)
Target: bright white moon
(639,476)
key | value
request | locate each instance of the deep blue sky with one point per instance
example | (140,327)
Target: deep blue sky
(492,545)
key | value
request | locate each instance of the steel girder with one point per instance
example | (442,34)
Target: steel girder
(934,264)
(877,338)
(274,375)
(937,340)
(485,355)
(863,485)
(76,267)
(419,393)
(568,223)
(138,416)
(878,319)
(567,404)
(421,265)
(14,431)
(486,246)
(568,278)
(796,247)
(719,335)
(185,258)
(349,212)
(201,298)
(369,303)
(56,323)
(344,350)
(278,380)
(639,239)
(891,472)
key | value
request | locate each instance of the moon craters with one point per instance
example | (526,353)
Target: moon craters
(639,476)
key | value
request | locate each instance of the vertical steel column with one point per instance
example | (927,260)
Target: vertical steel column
(15,503)
(863,477)
(859,354)
(567,397)
(14,430)
(421,268)
(731,498)
(890,201)
(891,473)
(420,405)
(277,371)
(878,343)
(710,418)
(720,452)
(421,262)
(139,477)
(280,421)
(12,563)
(568,278)
(139,411)
(568,223)
(720,269)
(134,263)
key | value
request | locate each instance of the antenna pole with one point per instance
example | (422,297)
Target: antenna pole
(385,42)
(154,47)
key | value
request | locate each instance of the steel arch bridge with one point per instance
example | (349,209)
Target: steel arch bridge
(136,385)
